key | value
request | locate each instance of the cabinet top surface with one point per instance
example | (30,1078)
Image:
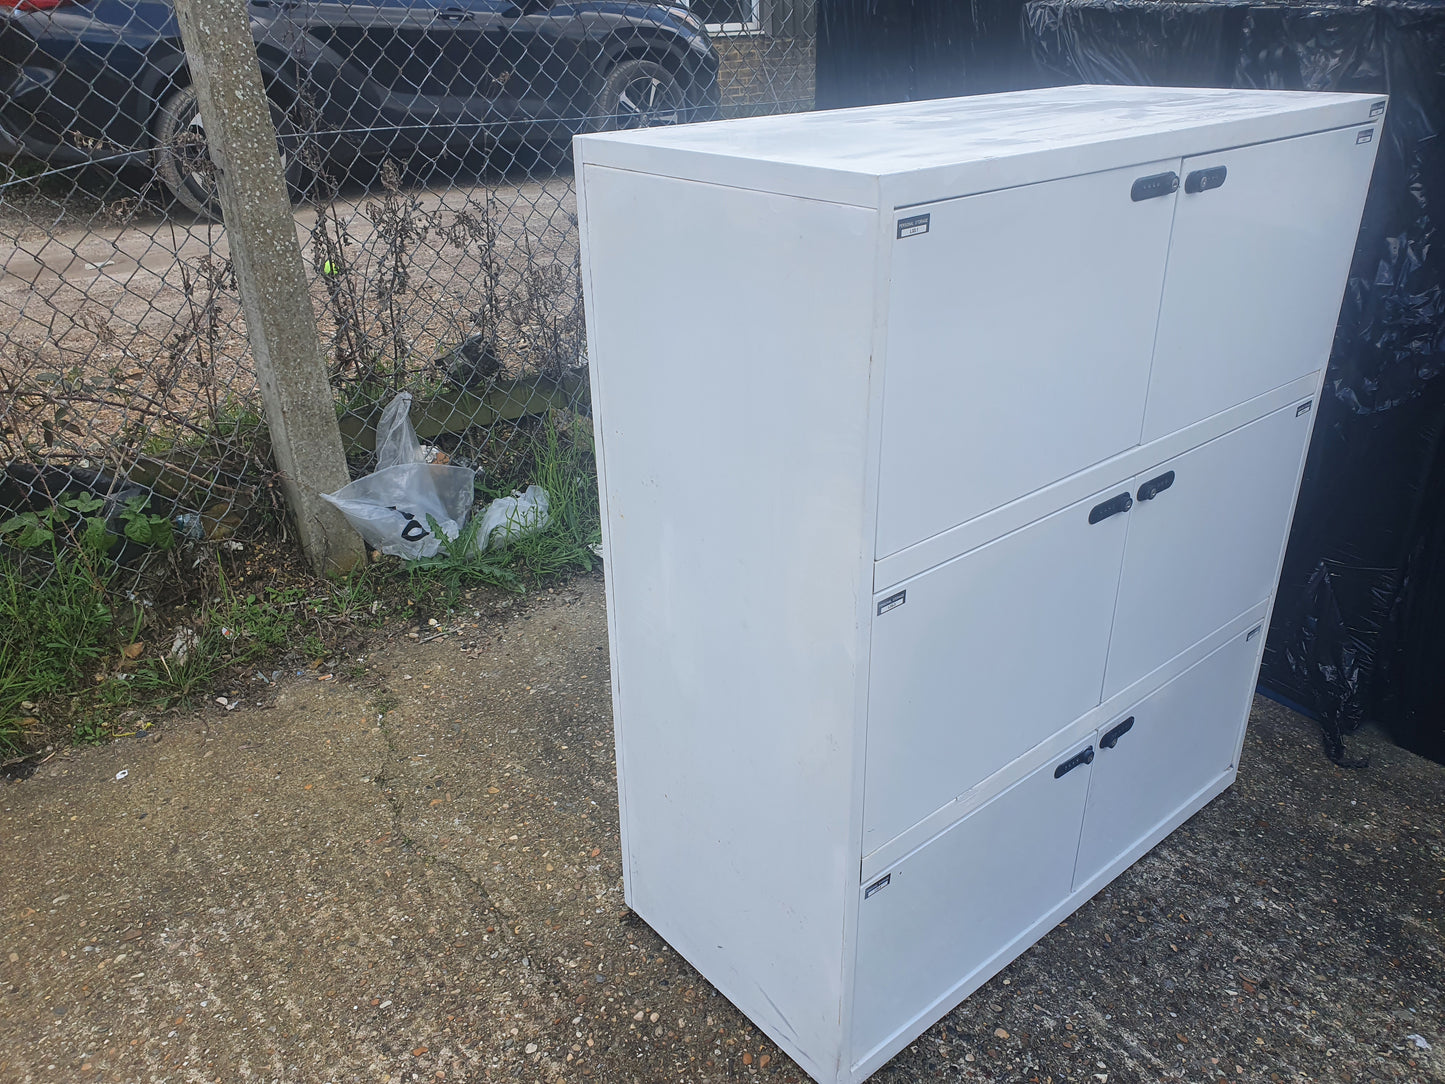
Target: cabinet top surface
(962,141)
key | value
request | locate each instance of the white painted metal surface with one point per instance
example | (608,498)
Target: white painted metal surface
(736,575)
(1208,547)
(941,547)
(768,481)
(1165,749)
(878,862)
(1253,287)
(954,693)
(1010,371)
(919,152)
(941,913)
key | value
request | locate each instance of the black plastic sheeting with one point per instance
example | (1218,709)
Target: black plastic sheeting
(876,51)
(1359,624)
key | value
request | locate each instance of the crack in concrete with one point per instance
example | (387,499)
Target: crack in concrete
(555,983)
(389,785)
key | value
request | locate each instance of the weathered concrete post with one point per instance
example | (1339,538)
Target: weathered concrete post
(267,259)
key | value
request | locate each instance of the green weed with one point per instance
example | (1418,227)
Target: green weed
(147,528)
(68,519)
(52,639)
(566,467)
(237,630)
(72,661)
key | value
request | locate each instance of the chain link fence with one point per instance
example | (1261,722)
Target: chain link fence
(426,143)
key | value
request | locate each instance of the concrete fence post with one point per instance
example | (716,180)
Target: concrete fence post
(266,257)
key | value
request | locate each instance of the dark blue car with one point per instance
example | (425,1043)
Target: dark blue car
(106,80)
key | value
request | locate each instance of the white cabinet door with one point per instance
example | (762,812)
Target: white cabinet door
(975,662)
(1020,328)
(927,926)
(1205,538)
(1257,267)
(1165,750)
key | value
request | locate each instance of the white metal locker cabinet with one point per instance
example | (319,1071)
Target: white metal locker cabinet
(1206,534)
(1253,287)
(952,695)
(1027,360)
(944,390)
(1166,749)
(733,595)
(927,926)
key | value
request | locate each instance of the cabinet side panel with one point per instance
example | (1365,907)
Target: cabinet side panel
(730,335)
(585,261)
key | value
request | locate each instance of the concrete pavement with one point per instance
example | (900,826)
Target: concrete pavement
(411,872)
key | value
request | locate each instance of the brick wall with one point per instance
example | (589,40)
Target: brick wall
(760,73)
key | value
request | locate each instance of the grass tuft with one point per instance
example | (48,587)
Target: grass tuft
(52,638)
(79,665)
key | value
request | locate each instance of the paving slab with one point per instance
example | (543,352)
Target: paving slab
(414,875)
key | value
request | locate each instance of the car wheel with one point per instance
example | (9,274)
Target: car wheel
(639,94)
(183,160)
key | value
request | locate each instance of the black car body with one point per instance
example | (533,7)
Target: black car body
(88,80)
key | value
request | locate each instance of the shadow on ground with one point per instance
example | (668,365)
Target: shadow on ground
(414,875)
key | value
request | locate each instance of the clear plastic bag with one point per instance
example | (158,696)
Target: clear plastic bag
(396,440)
(509,518)
(395,507)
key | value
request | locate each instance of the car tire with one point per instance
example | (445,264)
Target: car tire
(639,93)
(183,161)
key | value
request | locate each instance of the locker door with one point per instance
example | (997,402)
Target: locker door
(1205,538)
(1257,267)
(1166,749)
(975,662)
(961,902)
(1020,328)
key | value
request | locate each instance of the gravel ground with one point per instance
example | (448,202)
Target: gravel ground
(409,871)
(113,284)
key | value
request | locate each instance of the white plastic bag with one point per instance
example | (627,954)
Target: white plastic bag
(394,508)
(509,518)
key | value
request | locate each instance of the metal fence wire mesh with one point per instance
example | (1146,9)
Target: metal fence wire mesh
(426,143)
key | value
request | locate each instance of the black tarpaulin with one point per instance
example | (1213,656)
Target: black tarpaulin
(1359,623)
(876,51)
